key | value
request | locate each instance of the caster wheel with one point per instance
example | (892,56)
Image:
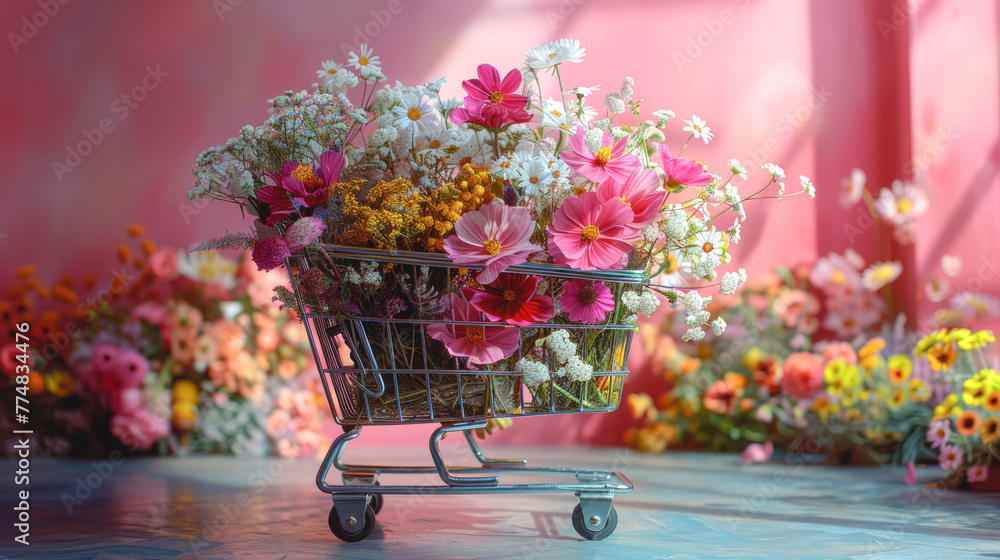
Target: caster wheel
(586,533)
(345,536)
(376,502)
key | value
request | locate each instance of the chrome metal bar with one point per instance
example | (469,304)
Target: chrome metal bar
(490,462)
(439,461)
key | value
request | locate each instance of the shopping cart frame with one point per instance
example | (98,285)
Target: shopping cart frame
(360,498)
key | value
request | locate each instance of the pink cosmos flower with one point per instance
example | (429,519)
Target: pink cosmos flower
(640,191)
(610,160)
(163,263)
(493,237)
(586,301)
(592,235)
(756,453)
(152,312)
(977,473)
(304,232)
(491,102)
(480,344)
(682,172)
(512,298)
(950,457)
(938,432)
(803,375)
(305,184)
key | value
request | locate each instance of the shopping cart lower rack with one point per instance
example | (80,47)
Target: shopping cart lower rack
(385,370)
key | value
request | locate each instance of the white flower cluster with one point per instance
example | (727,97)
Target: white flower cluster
(695,315)
(731,281)
(533,373)
(564,356)
(368,276)
(644,302)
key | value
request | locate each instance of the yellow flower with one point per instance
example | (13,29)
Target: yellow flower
(919,391)
(947,407)
(976,340)
(991,427)
(976,388)
(868,355)
(896,398)
(60,384)
(840,377)
(752,358)
(942,356)
(824,407)
(852,415)
(930,340)
(900,368)
(852,395)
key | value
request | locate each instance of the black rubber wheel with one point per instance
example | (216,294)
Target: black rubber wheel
(376,502)
(586,533)
(345,536)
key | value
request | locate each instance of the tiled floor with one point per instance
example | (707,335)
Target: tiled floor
(685,506)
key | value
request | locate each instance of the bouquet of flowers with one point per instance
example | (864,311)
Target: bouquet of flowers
(497,217)
(179,352)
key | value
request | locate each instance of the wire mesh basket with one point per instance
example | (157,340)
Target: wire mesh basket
(379,369)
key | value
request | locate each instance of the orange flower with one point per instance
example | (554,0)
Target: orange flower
(36,383)
(148,247)
(135,230)
(968,423)
(992,401)
(90,282)
(942,356)
(641,404)
(26,271)
(124,254)
(991,427)
(64,294)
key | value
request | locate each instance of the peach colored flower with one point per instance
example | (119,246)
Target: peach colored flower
(803,375)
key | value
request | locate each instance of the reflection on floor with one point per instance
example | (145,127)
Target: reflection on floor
(685,506)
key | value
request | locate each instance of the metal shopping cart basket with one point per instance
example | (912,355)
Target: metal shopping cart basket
(386,370)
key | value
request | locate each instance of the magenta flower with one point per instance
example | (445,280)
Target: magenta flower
(586,301)
(682,172)
(950,457)
(491,102)
(911,473)
(493,237)
(139,430)
(610,160)
(640,191)
(304,184)
(480,344)
(591,235)
(938,432)
(270,253)
(756,453)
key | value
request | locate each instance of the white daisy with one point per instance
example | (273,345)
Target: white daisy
(980,305)
(554,114)
(412,114)
(366,64)
(698,128)
(584,91)
(902,203)
(880,274)
(710,242)
(555,53)
(504,167)
(559,170)
(533,177)
(737,168)
(329,71)
(851,188)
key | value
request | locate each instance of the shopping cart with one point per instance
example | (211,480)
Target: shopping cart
(381,371)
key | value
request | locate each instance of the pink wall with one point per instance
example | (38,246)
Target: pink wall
(818,86)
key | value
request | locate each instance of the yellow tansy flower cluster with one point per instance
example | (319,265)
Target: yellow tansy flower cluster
(391,212)
(976,389)
(471,188)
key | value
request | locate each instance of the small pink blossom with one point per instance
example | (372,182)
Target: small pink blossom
(163,263)
(494,237)
(480,344)
(756,453)
(586,301)
(682,172)
(150,311)
(839,351)
(938,432)
(977,473)
(950,457)
(139,430)
(492,102)
(609,161)
(911,473)
(304,232)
